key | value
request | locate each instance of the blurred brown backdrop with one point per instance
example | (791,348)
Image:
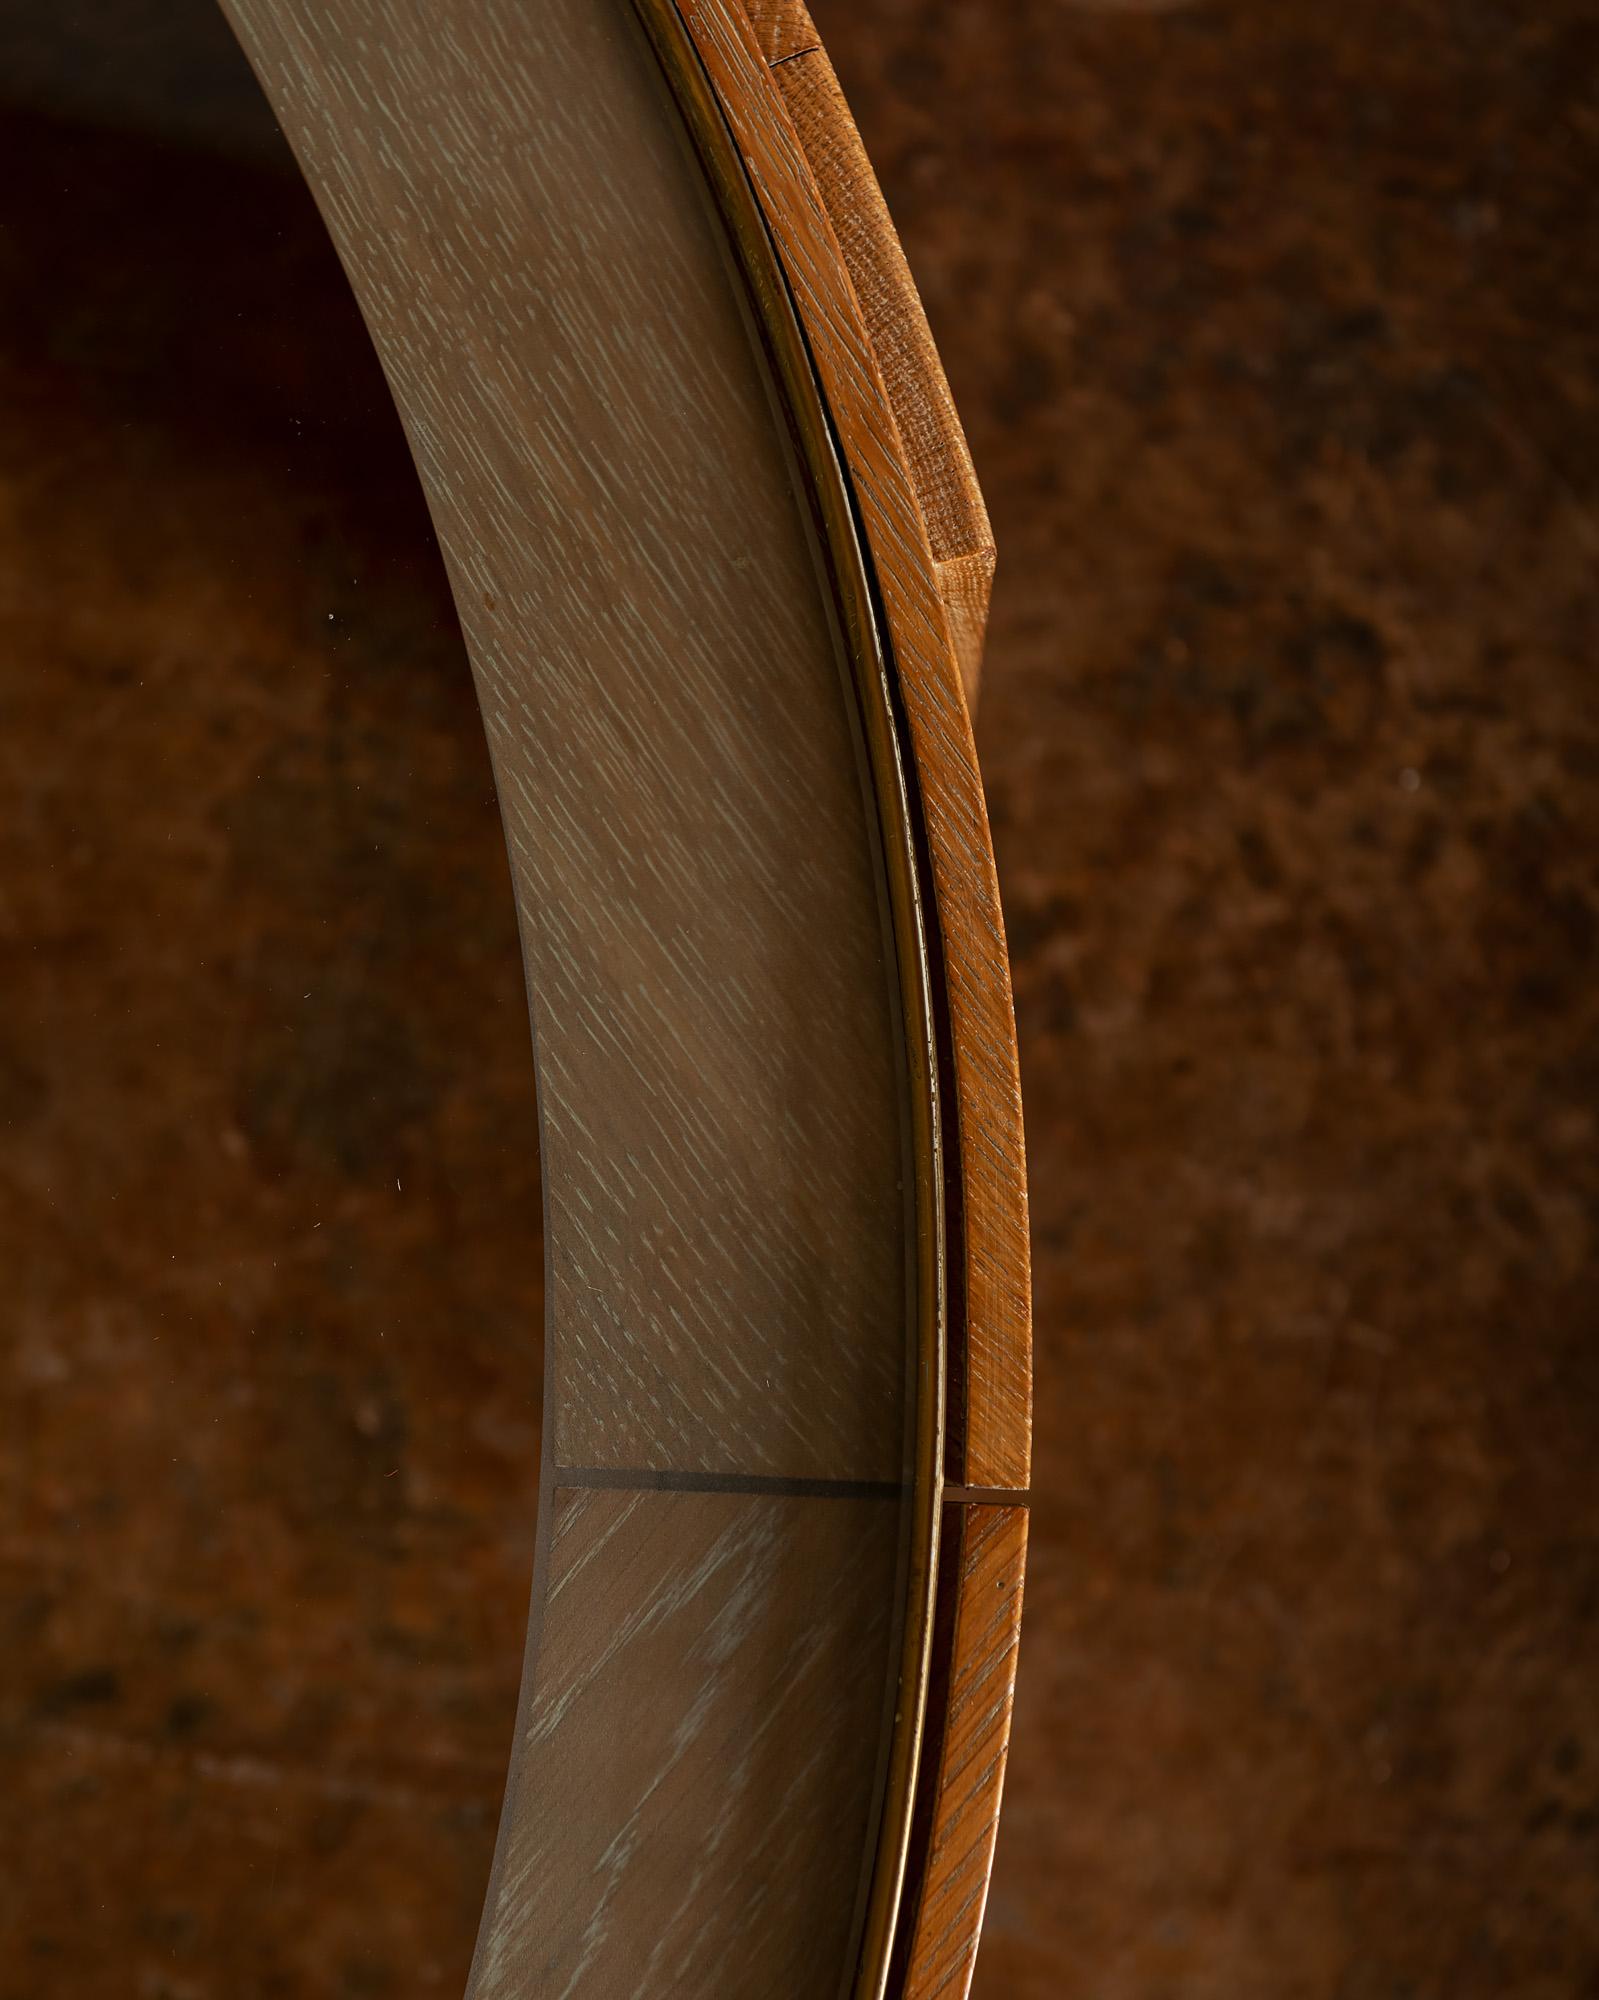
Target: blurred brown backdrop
(1274,334)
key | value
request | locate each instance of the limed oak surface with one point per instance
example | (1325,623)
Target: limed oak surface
(722,1080)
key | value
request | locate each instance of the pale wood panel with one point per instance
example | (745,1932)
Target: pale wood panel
(722,1077)
(681,1342)
(703,1657)
(718,1063)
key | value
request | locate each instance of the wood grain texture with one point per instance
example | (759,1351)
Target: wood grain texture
(718,1064)
(927,1939)
(731,1197)
(783,28)
(659,1848)
(990,1308)
(725,1122)
(985,1553)
(930,429)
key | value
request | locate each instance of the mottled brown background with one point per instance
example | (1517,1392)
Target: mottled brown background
(1274,330)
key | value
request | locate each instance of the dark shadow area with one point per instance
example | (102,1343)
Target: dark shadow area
(269,1212)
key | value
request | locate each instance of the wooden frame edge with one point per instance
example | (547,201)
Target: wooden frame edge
(937,454)
(749,220)
(936,1843)
(991,1360)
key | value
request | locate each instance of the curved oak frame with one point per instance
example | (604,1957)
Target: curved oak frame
(426,135)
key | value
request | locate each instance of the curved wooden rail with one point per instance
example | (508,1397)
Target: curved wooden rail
(718,558)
